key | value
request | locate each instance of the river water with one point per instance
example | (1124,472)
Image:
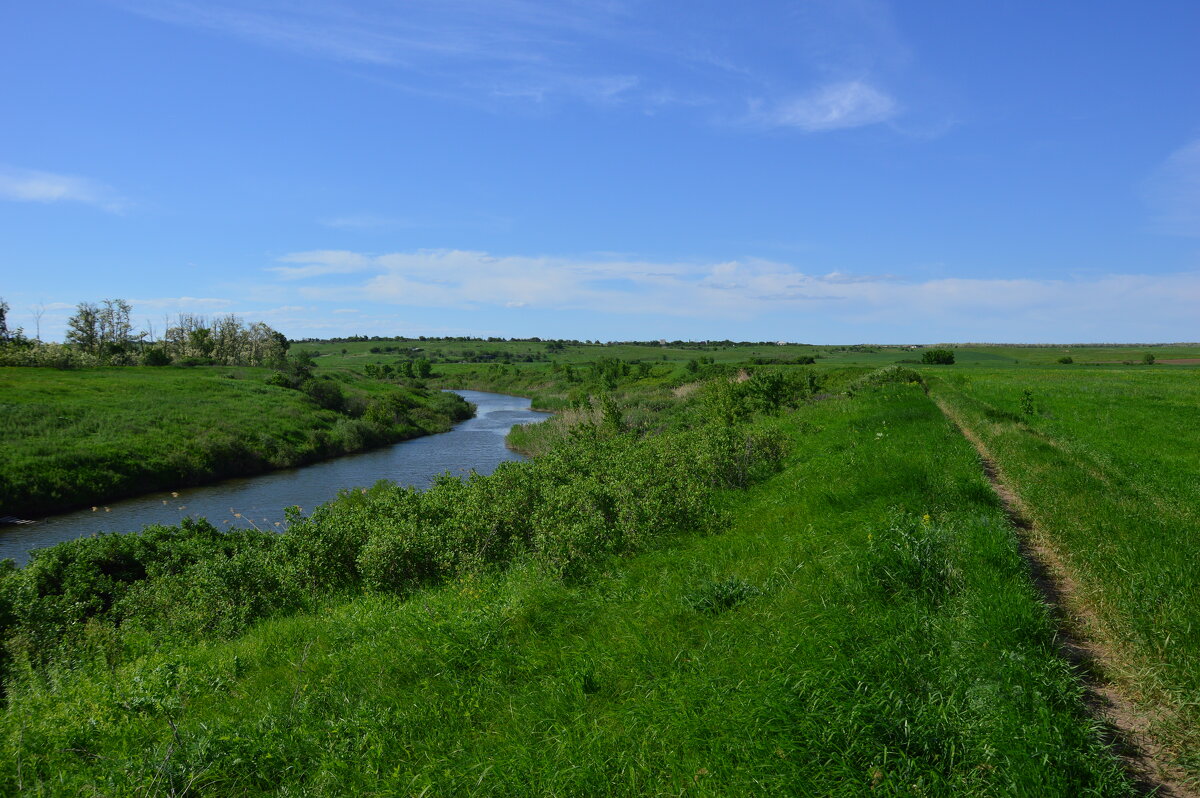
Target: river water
(475,444)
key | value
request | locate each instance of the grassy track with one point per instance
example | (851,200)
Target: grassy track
(862,624)
(1106,466)
(86,436)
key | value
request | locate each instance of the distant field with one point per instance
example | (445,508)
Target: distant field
(358,353)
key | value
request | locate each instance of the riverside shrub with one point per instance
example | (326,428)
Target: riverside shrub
(594,496)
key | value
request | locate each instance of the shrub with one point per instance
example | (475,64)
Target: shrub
(886,376)
(1027,402)
(1067,360)
(938,357)
(1148,359)
(156,356)
(326,393)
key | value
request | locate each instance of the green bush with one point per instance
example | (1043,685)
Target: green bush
(156,356)
(938,357)
(888,375)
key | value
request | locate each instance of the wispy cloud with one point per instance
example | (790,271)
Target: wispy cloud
(28,185)
(321,262)
(1173,192)
(816,65)
(749,288)
(831,107)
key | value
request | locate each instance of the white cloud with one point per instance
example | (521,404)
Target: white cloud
(831,107)
(28,185)
(1173,192)
(748,289)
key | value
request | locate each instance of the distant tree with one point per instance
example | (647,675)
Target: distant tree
(4,335)
(423,368)
(1148,359)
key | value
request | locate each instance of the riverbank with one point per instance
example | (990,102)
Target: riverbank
(84,437)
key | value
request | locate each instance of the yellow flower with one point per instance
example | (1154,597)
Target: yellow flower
(925,519)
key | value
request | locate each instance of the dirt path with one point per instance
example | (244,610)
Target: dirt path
(1125,727)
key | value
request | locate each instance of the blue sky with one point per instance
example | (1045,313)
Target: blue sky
(821,171)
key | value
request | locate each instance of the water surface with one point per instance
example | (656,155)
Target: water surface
(475,444)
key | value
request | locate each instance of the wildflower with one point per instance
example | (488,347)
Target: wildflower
(925,519)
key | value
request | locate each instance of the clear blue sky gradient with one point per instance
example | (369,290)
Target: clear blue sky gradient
(824,171)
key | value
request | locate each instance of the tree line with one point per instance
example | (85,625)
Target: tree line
(104,334)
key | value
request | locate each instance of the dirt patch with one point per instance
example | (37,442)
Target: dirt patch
(686,389)
(1125,727)
(1181,361)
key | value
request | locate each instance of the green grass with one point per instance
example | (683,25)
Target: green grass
(85,436)
(861,624)
(1107,464)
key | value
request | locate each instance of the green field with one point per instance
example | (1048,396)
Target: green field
(719,575)
(76,437)
(1106,462)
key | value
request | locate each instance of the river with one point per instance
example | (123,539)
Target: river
(475,444)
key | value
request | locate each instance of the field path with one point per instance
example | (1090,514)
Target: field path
(1125,725)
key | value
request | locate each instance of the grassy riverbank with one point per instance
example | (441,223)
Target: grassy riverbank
(86,436)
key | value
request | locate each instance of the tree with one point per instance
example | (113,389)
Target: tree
(83,329)
(4,336)
(938,357)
